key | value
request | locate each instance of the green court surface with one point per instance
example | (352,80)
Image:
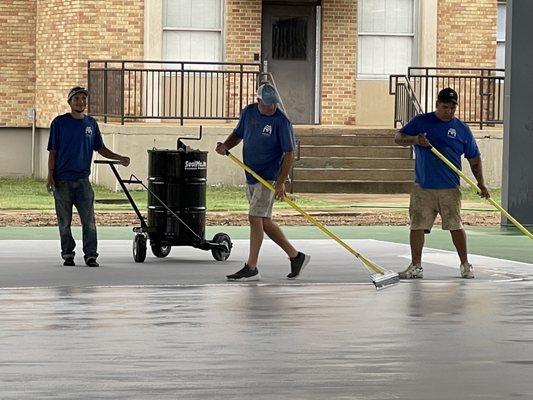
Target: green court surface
(495,242)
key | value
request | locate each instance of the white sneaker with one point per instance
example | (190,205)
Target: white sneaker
(412,272)
(467,271)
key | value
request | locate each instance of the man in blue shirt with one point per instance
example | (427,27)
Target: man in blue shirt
(436,188)
(74,137)
(268,145)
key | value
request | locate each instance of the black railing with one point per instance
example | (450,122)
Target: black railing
(481,93)
(165,90)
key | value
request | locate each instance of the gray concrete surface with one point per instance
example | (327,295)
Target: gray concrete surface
(174,329)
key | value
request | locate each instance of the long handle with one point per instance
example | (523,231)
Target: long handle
(368,263)
(476,188)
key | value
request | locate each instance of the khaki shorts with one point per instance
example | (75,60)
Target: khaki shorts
(425,204)
(261,200)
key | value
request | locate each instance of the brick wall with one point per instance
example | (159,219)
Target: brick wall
(339,49)
(243,39)
(69,33)
(243,30)
(17,61)
(466,33)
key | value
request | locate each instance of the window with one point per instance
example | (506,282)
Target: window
(386,33)
(192,30)
(289,38)
(500,35)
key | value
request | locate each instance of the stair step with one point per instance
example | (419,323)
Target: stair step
(355,174)
(340,186)
(355,151)
(347,140)
(354,162)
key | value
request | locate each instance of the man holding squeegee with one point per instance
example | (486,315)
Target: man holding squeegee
(436,188)
(268,145)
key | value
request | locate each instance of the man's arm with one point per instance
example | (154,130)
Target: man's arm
(401,139)
(477,169)
(231,141)
(105,152)
(286,164)
(50,183)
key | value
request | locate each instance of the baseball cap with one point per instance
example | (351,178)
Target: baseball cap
(75,90)
(447,95)
(268,94)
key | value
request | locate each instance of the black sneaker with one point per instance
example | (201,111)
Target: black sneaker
(298,264)
(245,274)
(91,262)
(69,262)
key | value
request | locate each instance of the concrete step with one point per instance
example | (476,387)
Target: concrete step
(346,174)
(323,130)
(339,186)
(355,151)
(347,140)
(354,162)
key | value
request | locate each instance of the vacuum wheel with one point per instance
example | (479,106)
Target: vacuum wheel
(222,255)
(160,251)
(139,248)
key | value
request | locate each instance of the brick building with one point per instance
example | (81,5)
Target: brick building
(349,49)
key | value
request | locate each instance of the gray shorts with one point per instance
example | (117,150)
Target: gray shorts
(261,200)
(425,204)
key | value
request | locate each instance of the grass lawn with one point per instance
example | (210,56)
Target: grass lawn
(31,194)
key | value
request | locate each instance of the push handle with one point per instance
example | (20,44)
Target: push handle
(474,186)
(107,162)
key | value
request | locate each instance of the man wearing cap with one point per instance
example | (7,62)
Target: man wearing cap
(436,188)
(268,145)
(73,138)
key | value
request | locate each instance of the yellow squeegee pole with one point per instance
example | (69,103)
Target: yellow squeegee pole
(477,190)
(368,263)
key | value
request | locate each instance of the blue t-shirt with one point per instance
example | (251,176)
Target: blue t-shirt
(452,138)
(265,140)
(74,141)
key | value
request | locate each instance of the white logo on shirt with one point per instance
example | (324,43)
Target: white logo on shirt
(267,130)
(452,133)
(88,130)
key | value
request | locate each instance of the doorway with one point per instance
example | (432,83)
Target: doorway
(288,45)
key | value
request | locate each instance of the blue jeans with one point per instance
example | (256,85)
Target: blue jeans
(78,193)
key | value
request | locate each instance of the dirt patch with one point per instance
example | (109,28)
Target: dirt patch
(284,218)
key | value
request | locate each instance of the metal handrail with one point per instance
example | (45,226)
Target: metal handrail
(163,90)
(480,92)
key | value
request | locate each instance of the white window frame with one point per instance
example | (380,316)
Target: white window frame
(220,30)
(414,48)
(498,40)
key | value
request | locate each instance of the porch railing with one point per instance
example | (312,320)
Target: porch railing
(170,90)
(480,90)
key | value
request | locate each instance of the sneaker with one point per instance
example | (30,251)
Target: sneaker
(91,262)
(298,264)
(69,262)
(245,274)
(467,271)
(412,272)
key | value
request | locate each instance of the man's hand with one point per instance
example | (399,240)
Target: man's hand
(221,148)
(422,140)
(484,192)
(279,192)
(50,185)
(125,161)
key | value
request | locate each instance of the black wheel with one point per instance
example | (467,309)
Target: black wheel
(139,248)
(222,255)
(160,251)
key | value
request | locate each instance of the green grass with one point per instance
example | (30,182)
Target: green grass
(31,194)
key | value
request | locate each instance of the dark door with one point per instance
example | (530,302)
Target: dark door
(288,46)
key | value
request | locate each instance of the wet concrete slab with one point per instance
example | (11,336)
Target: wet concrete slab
(36,263)
(173,329)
